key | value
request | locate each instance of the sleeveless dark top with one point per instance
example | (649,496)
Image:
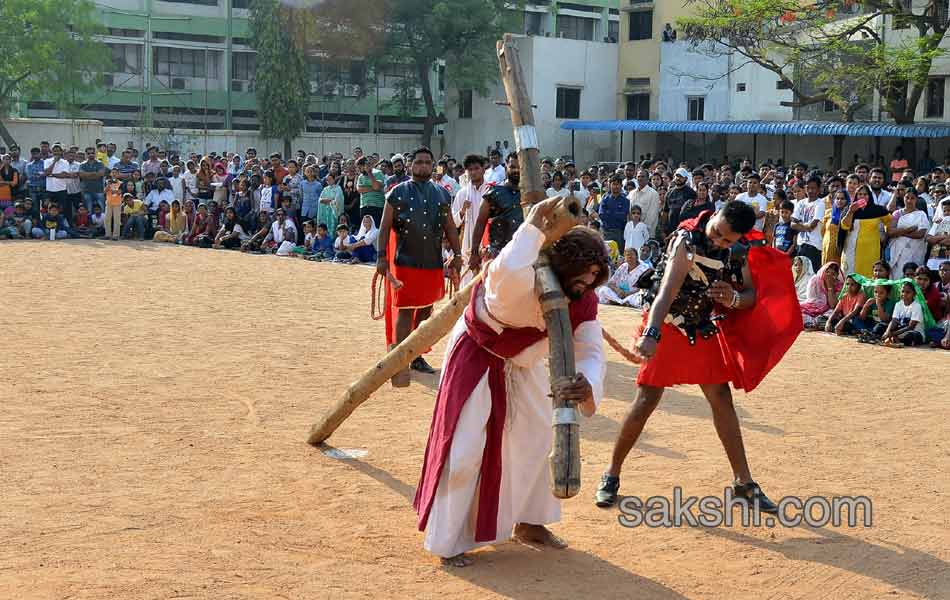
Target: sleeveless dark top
(419,214)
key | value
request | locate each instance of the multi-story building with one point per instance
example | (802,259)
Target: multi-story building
(187,64)
(568,53)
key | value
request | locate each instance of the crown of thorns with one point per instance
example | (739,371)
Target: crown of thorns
(580,250)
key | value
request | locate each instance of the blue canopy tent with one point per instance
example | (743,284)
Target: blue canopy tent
(834,129)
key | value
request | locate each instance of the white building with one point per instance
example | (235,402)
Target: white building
(566,79)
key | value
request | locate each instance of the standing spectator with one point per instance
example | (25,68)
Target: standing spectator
(648,199)
(330,203)
(203,180)
(57,171)
(126,166)
(399,172)
(702,202)
(832,238)
(9,182)
(898,165)
(939,237)
(612,212)
(496,171)
(113,218)
(754,198)
(91,176)
(290,185)
(864,221)
(153,165)
(675,199)
(806,220)
(310,190)
(635,233)
(268,195)
(277,167)
(907,243)
(351,196)
(370,184)
(190,180)
(783,236)
(20,165)
(881,196)
(177,183)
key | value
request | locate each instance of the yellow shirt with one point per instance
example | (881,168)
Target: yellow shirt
(137,208)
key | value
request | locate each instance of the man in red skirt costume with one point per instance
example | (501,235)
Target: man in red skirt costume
(721,312)
(419,213)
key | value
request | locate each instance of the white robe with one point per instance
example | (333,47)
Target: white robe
(474,196)
(626,280)
(524,496)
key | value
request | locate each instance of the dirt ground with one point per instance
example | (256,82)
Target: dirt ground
(155,402)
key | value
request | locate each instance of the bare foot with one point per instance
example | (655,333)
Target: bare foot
(459,560)
(538,534)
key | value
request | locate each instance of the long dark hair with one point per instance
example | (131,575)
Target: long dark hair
(576,251)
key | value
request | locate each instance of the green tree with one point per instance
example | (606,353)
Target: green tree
(460,32)
(282,79)
(830,50)
(48,50)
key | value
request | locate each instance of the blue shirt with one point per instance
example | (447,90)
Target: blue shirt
(783,236)
(323,245)
(613,211)
(126,168)
(36,172)
(310,194)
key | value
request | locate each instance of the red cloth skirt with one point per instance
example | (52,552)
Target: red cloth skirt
(678,363)
(421,288)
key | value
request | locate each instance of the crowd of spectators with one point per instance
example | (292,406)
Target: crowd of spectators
(870,244)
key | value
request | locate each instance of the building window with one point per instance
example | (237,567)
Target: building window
(465,104)
(740,87)
(575,28)
(243,65)
(638,107)
(696,107)
(182,62)
(568,103)
(613,31)
(935,89)
(641,25)
(829,106)
(126,58)
(783,84)
(534,23)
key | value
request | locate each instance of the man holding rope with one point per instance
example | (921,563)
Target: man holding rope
(419,214)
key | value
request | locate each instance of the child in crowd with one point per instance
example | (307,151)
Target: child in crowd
(635,233)
(113,218)
(17,224)
(783,236)
(322,244)
(137,185)
(881,270)
(910,270)
(343,239)
(907,326)
(81,227)
(876,314)
(8,227)
(254,243)
(842,319)
(54,225)
(97,221)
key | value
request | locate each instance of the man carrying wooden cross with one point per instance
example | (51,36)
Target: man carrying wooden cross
(485,474)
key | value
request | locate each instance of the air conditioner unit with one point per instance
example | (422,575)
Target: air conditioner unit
(178,83)
(108,80)
(314,87)
(237,85)
(351,90)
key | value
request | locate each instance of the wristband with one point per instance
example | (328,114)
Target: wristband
(736,299)
(652,332)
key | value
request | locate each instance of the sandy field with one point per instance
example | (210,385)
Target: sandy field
(156,401)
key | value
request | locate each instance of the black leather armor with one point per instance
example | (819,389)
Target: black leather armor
(693,312)
(419,215)
(506,214)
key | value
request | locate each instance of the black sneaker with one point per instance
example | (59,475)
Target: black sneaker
(420,364)
(753,494)
(607,492)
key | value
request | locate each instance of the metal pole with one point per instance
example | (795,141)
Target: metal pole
(684,148)
(755,149)
(147,66)
(633,145)
(621,145)
(704,147)
(228,52)
(573,156)
(206,101)
(784,159)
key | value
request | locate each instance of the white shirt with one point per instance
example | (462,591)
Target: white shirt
(883,198)
(496,175)
(904,314)
(635,236)
(562,193)
(474,197)
(277,230)
(178,187)
(648,199)
(191,182)
(113,161)
(759,203)
(55,184)
(155,197)
(72,185)
(807,212)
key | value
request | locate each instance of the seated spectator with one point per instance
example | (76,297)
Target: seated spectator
(322,244)
(881,270)
(363,248)
(802,272)
(135,214)
(939,237)
(910,270)
(622,288)
(823,289)
(17,224)
(202,233)
(231,234)
(842,319)
(54,225)
(907,325)
(254,243)
(281,230)
(876,314)
(175,227)
(342,241)
(82,228)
